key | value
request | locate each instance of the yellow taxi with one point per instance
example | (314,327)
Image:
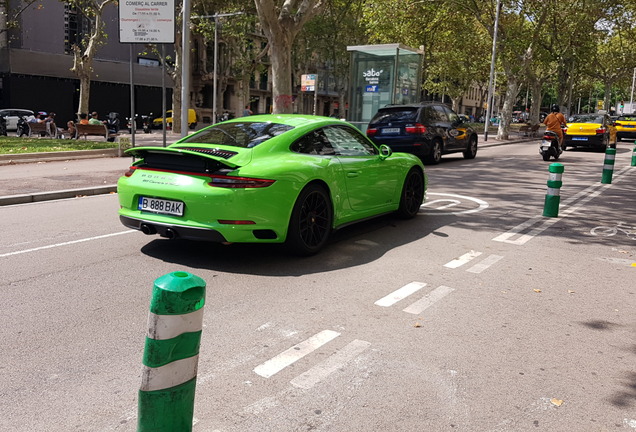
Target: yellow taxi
(192,119)
(626,127)
(590,130)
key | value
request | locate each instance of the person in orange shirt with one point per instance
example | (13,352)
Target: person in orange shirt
(83,118)
(554,122)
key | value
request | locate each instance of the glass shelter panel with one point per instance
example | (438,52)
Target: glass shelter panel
(382,75)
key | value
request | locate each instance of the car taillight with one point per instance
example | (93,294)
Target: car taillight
(565,130)
(130,171)
(417,128)
(239,182)
(547,137)
(372,132)
(601,130)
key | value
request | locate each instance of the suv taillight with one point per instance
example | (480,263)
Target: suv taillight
(417,128)
(371,132)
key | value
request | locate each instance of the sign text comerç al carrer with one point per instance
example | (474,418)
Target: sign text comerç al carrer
(144,21)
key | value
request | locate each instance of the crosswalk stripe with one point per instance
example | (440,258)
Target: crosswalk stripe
(319,372)
(295,353)
(429,299)
(400,294)
(478,268)
(458,262)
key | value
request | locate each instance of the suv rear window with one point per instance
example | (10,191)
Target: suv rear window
(388,115)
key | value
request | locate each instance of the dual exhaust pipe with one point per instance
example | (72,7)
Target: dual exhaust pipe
(151,229)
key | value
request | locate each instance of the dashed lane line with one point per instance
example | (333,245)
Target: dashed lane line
(295,353)
(429,299)
(486,263)
(458,262)
(400,294)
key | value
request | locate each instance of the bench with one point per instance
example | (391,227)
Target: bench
(47,129)
(86,130)
(534,129)
(525,129)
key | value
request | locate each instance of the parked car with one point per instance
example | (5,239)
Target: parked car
(428,130)
(192,120)
(289,179)
(12,115)
(589,130)
(626,127)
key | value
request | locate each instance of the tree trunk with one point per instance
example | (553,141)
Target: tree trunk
(535,106)
(512,90)
(281,74)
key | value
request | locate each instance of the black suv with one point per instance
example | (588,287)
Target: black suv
(427,129)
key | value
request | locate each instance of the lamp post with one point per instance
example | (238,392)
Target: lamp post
(491,90)
(631,98)
(185,69)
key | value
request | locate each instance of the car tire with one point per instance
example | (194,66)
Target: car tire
(436,152)
(310,222)
(192,126)
(412,194)
(471,150)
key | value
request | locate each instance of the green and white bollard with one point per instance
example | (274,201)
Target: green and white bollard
(171,354)
(553,196)
(634,155)
(608,166)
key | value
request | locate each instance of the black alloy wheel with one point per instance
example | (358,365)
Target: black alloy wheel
(412,194)
(310,223)
(471,150)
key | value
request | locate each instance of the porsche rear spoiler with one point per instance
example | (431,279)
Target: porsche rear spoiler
(216,154)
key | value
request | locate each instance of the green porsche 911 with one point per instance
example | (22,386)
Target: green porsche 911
(268,179)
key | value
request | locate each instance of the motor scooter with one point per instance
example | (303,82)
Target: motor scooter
(3,126)
(549,146)
(147,122)
(112,124)
(22,127)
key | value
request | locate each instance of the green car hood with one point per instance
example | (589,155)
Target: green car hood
(231,157)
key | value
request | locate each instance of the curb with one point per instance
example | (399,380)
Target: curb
(47,196)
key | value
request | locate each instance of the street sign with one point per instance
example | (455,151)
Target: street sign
(146,21)
(308,82)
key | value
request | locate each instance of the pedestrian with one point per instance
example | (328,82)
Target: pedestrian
(83,119)
(247,111)
(94,119)
(37,118)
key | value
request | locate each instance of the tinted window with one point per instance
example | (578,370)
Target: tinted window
(440,113)
(388,115)
(315,143)
(586,119)
(627,118)
(347,142)
(452,115)
(244,134)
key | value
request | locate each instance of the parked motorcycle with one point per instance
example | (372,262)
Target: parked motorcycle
(3,126)
(23,127)
(549,146)
(147,122)
(112,123)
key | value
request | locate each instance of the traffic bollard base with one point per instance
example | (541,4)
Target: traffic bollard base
(167,410)
(551,206)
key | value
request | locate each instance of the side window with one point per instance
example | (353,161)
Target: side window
(314,143)
(441,113)
(347,142)
(452,116)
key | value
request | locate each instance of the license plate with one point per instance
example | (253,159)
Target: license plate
(391,130)
(156,205)
(628,126)
(579,139)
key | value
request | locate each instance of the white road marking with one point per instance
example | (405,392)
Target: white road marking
(66,243)
(400,294)
(295,353)
(583,197)
(458,262)
(435,211)
(429,299)
(478,268)
(319,372)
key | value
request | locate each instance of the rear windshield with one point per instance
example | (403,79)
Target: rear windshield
(627,118)
(389,115)
(586,119)
(243,134)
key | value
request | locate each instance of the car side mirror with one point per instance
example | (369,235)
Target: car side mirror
(385,151)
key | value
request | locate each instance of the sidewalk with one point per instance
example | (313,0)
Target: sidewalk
(48,176)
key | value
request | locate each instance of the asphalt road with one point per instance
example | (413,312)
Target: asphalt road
(478,315)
